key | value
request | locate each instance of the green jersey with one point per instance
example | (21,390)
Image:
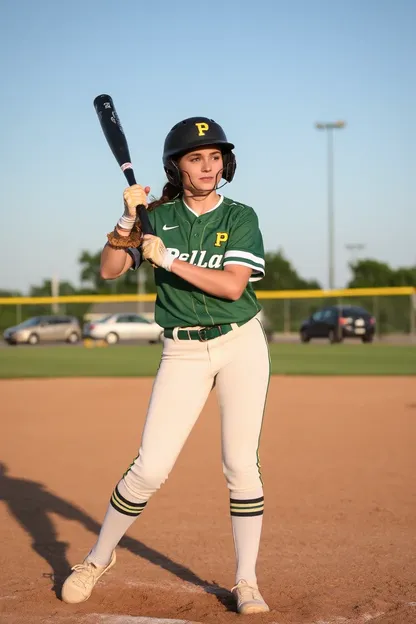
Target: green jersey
(227,234)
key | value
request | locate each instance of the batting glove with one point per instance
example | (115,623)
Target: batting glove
(155,252)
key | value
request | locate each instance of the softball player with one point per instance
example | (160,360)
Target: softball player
(207,250)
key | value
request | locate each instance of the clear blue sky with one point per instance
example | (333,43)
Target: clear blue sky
(265,70)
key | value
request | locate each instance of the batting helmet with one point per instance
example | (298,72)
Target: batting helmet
(190,134)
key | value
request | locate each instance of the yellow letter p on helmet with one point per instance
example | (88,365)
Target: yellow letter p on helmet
(203,127)
(191,134)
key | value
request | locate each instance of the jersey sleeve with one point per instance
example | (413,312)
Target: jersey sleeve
(245,245)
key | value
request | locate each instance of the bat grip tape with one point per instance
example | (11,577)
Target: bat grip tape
(144,219)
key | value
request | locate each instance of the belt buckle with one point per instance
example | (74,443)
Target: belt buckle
(202,336)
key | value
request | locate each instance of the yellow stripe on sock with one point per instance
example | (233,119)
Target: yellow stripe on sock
(243,505)
(119,503)
(247,509)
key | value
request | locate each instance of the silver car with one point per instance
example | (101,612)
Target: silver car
(44,329)
(118,327)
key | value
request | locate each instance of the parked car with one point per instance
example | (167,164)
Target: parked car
(339,322)
(116,327)
(44,329)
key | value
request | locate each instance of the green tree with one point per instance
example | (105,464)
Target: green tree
(393,314)
(371,273)
(125,284)
(281,275)
(405,276)
(45,290)
(90,272)
(9,314)
(10,293)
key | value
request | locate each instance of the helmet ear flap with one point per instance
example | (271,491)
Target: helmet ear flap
(173,173)
(230,165)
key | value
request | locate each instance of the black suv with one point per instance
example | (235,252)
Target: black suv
(339,322)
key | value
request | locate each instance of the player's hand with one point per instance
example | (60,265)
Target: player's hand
(134,196)
(155,252)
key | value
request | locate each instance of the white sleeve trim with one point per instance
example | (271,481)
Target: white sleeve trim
(256,269)
(246,255)
(257,272)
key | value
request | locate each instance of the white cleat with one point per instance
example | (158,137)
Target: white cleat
(249,599)
(79,585)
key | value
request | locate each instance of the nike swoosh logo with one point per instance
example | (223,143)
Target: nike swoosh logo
(167,227)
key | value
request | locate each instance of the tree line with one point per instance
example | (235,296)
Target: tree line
(391,312)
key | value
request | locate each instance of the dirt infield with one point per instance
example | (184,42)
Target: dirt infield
(339,538)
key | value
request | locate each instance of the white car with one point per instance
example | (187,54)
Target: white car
(117,327)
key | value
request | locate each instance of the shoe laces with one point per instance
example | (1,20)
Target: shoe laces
(247,592)
(85,573)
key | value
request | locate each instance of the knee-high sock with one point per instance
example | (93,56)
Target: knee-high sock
(247,519)
(121,513)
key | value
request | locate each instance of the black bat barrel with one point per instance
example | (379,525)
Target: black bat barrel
(116,139)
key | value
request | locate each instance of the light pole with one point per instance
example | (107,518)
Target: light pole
(354,247)
(330,127)
(141,281)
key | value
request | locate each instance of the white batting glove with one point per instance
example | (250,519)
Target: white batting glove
(133,196)
(155,252)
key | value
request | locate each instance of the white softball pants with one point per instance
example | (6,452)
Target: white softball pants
(238,365)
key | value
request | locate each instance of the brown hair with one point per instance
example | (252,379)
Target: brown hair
(170,192)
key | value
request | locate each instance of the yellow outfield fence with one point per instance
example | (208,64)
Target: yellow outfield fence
(394,291)
(284,310)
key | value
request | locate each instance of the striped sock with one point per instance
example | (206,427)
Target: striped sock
(122,505)
(121,513)
(247,520)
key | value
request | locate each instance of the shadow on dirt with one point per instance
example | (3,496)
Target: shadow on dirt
(31,503)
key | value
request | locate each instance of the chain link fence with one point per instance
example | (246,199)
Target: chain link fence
(394,309)
(392,314)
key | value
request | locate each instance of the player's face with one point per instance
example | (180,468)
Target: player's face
(201,169)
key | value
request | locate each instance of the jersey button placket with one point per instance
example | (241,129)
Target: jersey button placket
(195,233)
(196,228)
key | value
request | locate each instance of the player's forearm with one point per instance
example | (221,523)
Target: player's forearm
(114,262)
(224,284)
(227,284)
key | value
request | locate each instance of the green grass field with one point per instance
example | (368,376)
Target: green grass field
(129,361)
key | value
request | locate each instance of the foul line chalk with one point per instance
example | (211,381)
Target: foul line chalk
(99,618)
(93,618)
(360,619)
(129,619)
